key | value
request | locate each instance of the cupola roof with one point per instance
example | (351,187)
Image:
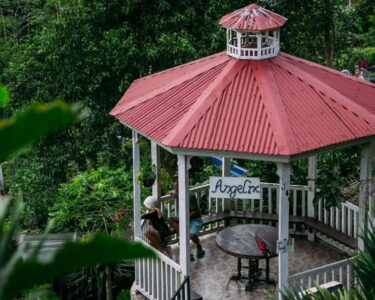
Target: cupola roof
(253,18)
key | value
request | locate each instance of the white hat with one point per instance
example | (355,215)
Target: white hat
(151,202)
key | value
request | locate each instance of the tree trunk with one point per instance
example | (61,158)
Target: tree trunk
(108,283)
(329,33)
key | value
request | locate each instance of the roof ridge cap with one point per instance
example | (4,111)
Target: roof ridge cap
(327,90)
(205,99)
(164,88)
(287,143)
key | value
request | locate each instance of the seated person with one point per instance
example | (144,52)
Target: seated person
(158,235)
(195,225)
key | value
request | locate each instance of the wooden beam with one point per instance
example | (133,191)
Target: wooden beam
(283,171)
(184,214)
(136,187)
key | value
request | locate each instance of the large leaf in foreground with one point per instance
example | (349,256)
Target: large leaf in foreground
(4,96)
(32,123)
(100,250)
(364,266)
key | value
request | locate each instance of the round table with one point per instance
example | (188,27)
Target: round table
(239,241)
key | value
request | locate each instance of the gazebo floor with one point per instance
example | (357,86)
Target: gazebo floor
(210,275)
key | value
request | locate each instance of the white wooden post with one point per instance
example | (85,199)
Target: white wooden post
(238,34)
(364,195)
(225,171)
(311,181)
(136,187)
(184,214)
(283,170)
(155,159)
(259,44)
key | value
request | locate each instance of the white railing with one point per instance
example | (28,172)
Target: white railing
(343,218)
(157,278)
(341,271)
(268,203)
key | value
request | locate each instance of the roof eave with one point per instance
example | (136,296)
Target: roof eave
(256,156)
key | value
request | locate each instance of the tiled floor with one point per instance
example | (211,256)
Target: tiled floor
(210,275)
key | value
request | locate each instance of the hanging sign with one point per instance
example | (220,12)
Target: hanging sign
(235,187)
(285,245)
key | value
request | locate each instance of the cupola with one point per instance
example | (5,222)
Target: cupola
(253,32)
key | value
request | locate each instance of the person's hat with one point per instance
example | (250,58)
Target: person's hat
(151,202)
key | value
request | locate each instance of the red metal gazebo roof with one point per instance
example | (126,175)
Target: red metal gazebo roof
(253,18)
(279,106)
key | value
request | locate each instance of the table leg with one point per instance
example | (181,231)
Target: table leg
(267,279)
(251,275)
(239,267)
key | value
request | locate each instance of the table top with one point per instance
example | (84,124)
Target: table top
(240,240)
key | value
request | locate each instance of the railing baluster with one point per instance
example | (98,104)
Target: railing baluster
(340,274)
(303,213)
(269,192)
(350,229)
(159,279)
(343,218)
(320,210)
(331,217)
(137,272)
(326,212)
(277,202)
(348,277)
(355,224)
(144,275)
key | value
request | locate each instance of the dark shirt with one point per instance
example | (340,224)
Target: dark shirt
(159,224)
(194,208)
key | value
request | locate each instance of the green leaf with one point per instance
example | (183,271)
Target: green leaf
(4,96)
(100,249)
(34,122)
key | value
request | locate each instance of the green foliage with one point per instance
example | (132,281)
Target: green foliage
(15,276)
(40,292)
(364,267)
(336,169)
(98,200)
(146,175)
(124,295)
(42,118)
(90,51)
(4,96)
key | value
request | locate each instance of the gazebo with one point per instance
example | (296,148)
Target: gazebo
(249,102)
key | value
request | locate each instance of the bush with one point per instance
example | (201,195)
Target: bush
(98,200)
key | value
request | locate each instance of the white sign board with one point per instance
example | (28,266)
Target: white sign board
(235,187)
(285,245)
